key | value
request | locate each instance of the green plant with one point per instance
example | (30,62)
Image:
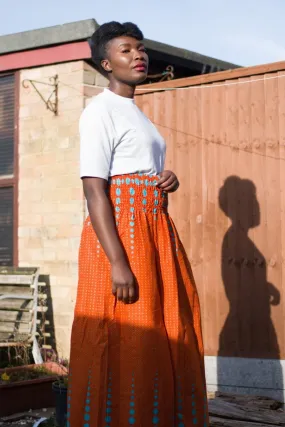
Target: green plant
(15,356)
(25,374)
(62,380)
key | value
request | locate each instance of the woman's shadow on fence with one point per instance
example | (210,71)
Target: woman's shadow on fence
(248,333)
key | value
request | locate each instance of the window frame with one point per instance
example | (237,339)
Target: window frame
(14,181)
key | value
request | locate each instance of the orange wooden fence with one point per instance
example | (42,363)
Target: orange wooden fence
(225,134)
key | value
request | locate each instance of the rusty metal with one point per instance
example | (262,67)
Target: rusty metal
(257,71)
(226,142)
(52,101)
(167,74)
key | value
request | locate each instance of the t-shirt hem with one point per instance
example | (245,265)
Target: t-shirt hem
(92,175)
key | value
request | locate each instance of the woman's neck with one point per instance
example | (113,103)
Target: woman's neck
(122,89)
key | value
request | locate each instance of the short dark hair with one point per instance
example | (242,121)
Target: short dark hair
(106,32)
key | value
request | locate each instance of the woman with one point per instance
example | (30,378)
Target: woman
(136,347)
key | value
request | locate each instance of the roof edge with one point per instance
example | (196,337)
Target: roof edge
(57,34)
(188,54)
(82,31)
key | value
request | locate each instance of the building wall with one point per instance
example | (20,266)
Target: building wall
(51,202)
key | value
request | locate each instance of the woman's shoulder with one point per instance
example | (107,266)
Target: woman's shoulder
(98,102)
(97,108)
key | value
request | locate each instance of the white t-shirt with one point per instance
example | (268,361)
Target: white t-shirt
(116,138)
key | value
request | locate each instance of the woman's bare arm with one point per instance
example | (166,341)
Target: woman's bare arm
(103,222)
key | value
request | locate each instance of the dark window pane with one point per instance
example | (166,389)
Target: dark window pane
(7,124)
(6,225)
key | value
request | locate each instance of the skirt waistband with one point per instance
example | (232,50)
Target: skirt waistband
(138,192)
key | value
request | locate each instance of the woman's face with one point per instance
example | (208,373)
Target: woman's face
(127,60)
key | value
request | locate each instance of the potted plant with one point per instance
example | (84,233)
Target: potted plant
(28,387)
(59,388)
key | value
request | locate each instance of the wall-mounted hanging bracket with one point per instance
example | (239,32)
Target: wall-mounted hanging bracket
(167,74)
(52,101)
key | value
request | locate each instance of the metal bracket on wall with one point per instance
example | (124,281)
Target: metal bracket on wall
(168,74)
(52,101)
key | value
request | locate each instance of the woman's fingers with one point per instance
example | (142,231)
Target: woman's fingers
(132,295)
(125,294)
(168,182)
(120,294)
(162,180)
(172,187)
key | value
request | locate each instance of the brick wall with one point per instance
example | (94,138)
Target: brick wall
(51,202)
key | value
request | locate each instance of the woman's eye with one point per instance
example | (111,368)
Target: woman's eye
(126,50)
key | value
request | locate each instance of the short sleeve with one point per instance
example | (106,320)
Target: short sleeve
(96,142)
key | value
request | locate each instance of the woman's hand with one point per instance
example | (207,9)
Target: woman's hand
(124,283)
(168,182)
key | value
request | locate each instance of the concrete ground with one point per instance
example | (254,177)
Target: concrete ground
(26,419)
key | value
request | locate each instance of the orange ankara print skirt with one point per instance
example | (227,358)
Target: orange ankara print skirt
(138,365)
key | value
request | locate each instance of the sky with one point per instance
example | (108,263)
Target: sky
(244,32)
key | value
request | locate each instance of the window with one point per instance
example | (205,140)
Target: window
(8,170)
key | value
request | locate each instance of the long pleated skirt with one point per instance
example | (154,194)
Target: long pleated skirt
(138,365)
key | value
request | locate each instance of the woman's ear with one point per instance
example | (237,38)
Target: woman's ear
(106,65)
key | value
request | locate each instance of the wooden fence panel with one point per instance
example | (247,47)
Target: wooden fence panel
(226,142)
